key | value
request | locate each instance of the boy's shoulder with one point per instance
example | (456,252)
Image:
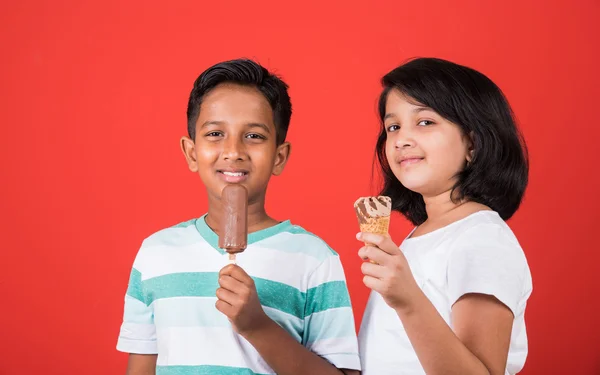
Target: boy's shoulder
(294,238)
(180,234)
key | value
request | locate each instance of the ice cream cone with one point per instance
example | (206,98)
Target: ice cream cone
(373,215)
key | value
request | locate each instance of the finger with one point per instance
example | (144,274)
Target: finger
(362,253)
(374,254)
(229,283)
(385,243)
(227,296)
(237,273)
(224,308)
(373,270)
(372,282)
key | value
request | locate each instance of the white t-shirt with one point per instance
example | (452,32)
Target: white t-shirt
(478,254)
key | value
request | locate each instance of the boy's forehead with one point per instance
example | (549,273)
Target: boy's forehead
(235,104)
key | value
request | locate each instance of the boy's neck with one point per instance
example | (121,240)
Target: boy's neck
(257,216)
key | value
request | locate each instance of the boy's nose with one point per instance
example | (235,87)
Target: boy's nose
(234,150)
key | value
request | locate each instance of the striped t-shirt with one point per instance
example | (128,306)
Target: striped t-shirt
(170,302)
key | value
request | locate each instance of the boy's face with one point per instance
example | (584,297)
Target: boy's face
(235,141)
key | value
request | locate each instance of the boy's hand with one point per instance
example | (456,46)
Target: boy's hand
(238,300)
(390,275)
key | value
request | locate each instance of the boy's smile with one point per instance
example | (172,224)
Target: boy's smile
(233,175)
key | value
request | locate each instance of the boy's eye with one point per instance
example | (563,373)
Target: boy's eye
(425,123)
(255,136)
(214,134)
(393,127)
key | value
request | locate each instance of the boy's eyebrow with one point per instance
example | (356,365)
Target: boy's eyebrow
(207,123)
(259,125)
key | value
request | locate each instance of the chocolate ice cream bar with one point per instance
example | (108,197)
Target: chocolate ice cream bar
(234,226)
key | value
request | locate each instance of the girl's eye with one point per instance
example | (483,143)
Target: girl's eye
(393,128)
(255,136)
(425,123)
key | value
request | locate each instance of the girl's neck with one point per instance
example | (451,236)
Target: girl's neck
(442,210)
(440,206)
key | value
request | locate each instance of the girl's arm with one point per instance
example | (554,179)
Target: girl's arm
(482,325)
(478,345)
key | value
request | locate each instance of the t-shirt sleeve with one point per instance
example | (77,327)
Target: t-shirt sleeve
(487,259)
(329,329)
(138,333)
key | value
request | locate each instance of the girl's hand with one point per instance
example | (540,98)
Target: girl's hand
(389,274)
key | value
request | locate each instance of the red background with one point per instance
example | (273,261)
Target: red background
(93,99)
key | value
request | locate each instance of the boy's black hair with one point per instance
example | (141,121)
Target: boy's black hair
(498,172)
(243,72)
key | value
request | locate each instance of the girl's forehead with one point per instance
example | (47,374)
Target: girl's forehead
(398,102)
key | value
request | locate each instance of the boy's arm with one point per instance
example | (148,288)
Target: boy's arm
(285,355)
(141,364)
(238,300)
(138,332)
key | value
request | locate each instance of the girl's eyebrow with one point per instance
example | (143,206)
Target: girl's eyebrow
(417,109)
(421,109)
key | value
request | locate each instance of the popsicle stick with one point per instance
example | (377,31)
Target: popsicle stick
(231,259)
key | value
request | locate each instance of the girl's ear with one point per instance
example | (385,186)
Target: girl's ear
(470,147)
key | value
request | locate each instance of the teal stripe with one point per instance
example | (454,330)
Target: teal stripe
(185,224)
(134,289)
(281,297)
(184,284)
(329,324)
(329,295)
(272,294)
(205,284)
(204,370)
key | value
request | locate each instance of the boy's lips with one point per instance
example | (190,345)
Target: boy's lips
(233,175)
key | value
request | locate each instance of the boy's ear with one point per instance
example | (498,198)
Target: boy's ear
(281,157)
(189,151)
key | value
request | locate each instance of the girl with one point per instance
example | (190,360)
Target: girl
(451,299)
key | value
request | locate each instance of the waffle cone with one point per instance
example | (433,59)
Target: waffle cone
(376,225)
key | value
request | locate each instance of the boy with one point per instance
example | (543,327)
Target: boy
(285,309)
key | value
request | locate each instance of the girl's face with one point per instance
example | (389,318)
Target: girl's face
(424,150)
